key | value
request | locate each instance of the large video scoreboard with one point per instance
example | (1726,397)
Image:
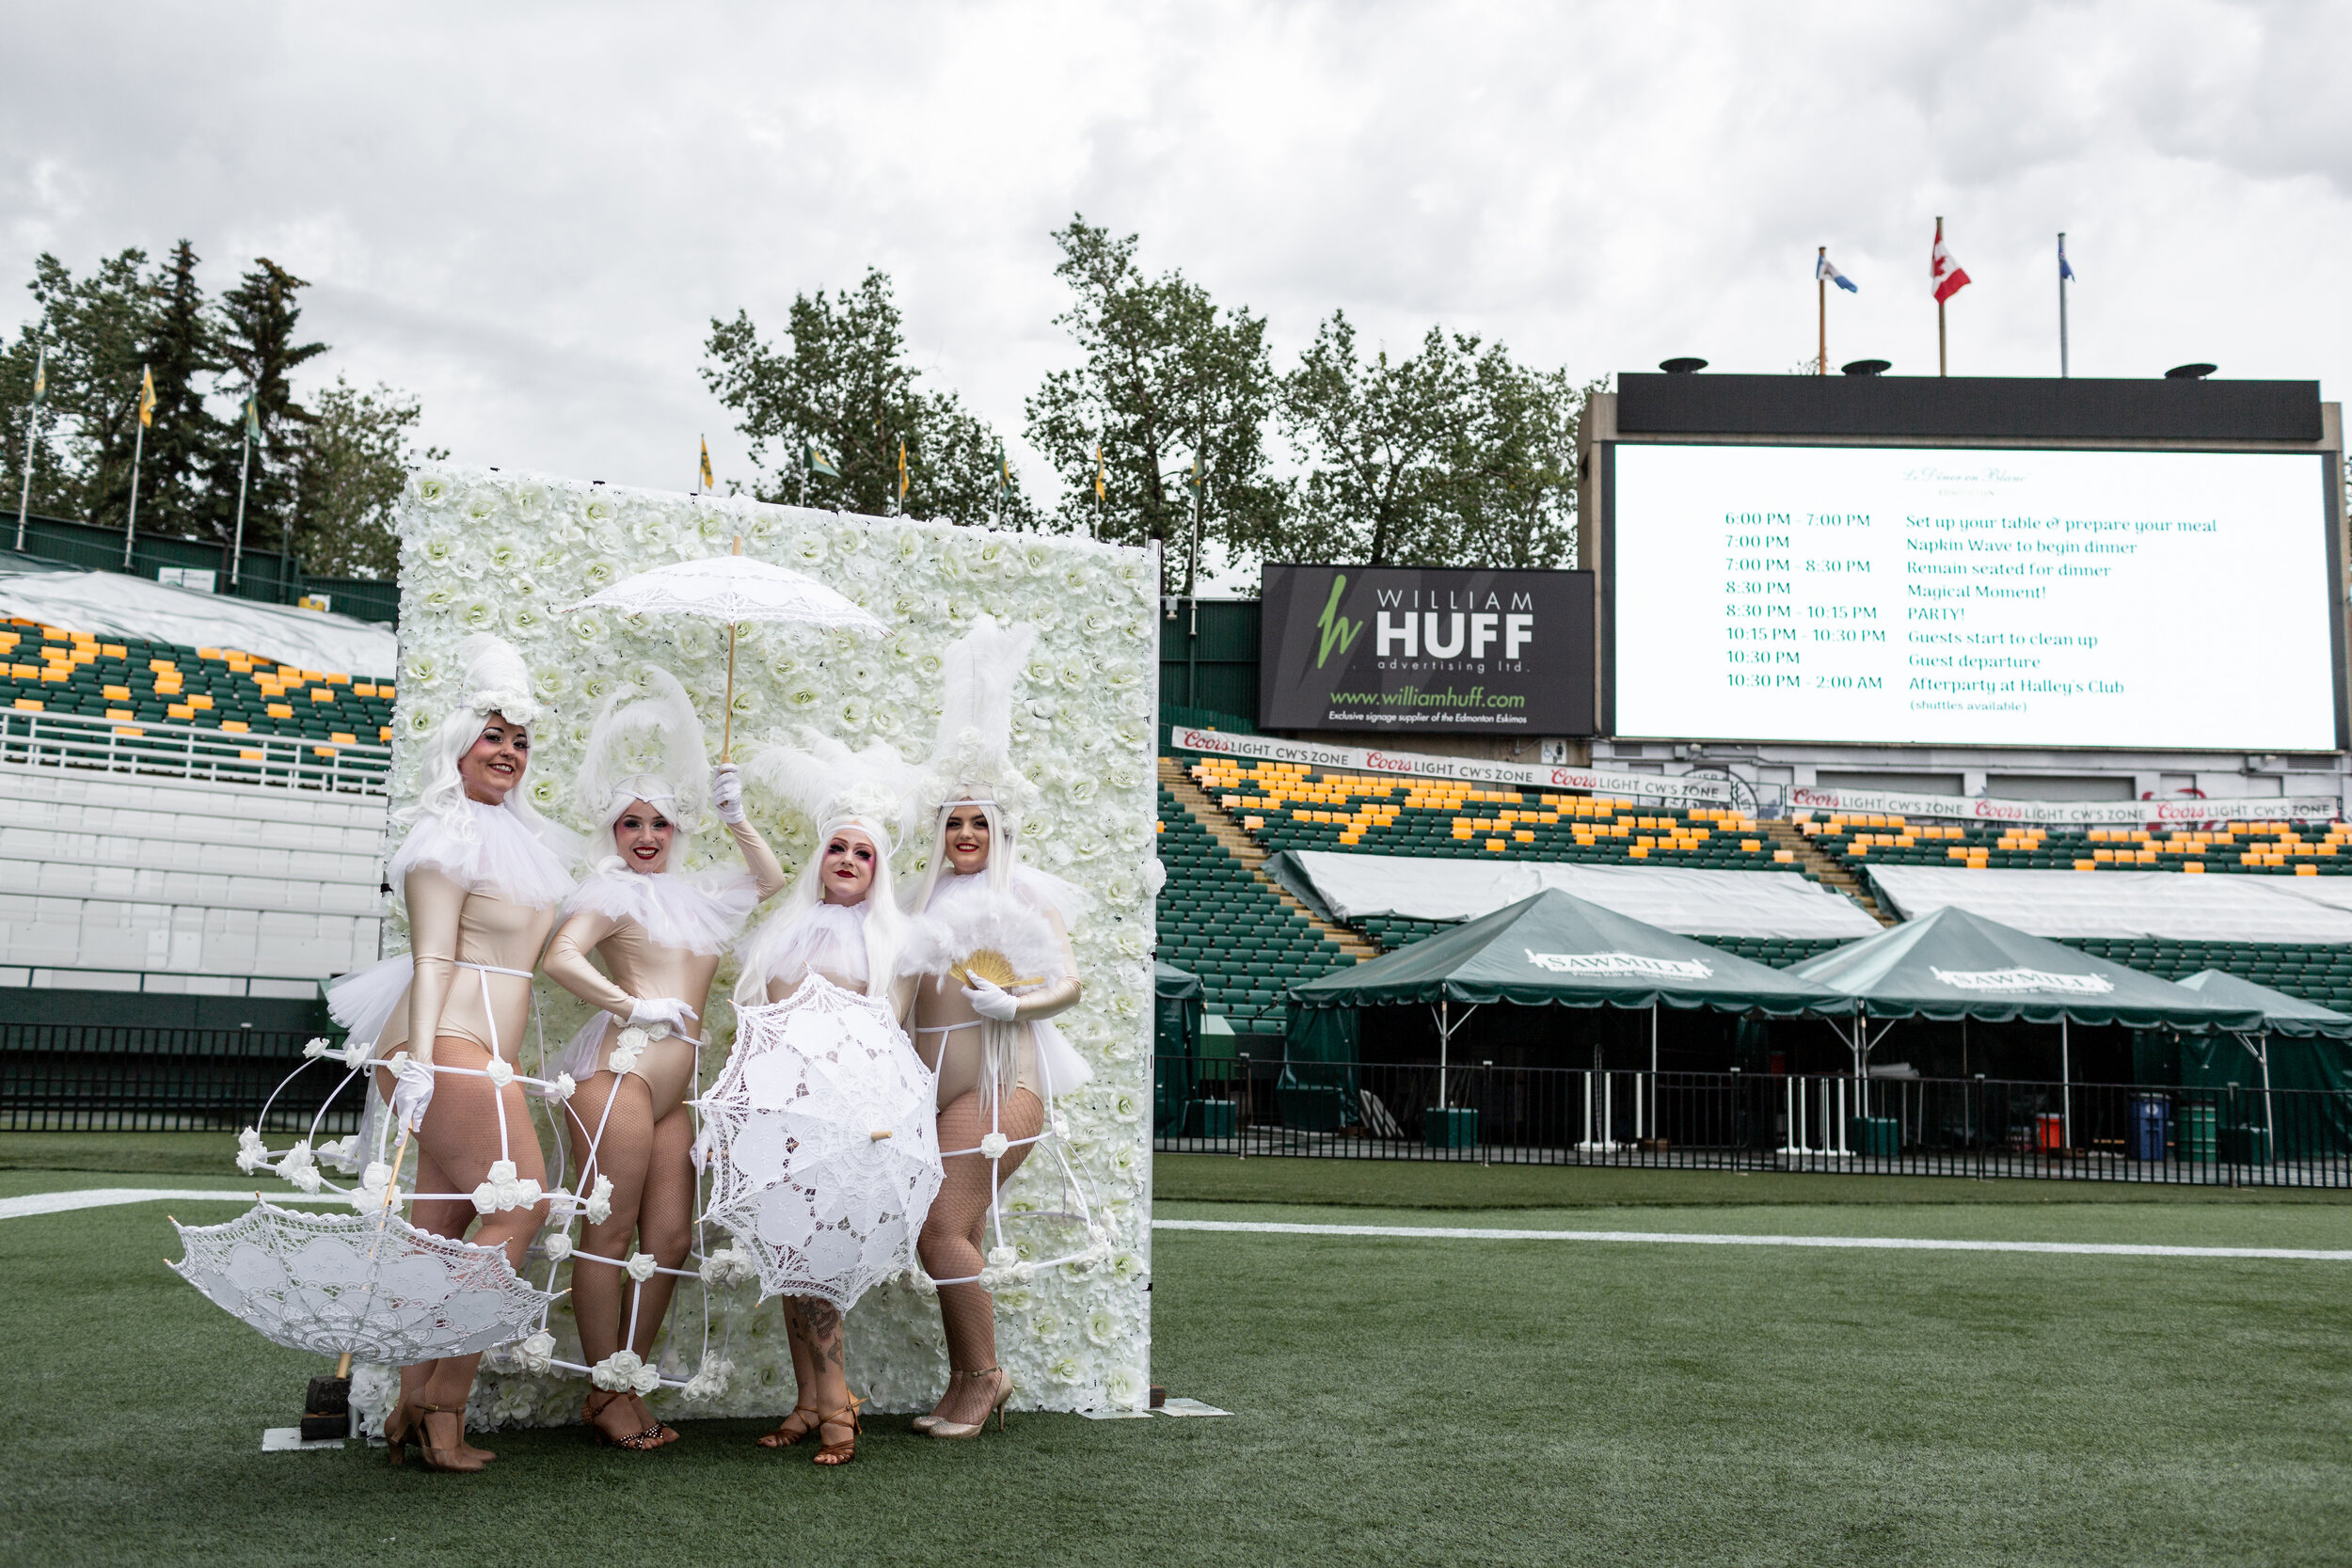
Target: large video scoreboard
(2152,565)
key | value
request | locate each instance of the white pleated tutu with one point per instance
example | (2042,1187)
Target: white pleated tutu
(362,1001)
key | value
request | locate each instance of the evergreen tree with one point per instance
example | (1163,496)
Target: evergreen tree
(259,319)
(184,449)
(97,328)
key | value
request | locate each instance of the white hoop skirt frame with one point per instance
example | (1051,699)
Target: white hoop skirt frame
(370,1284)
(825,1144)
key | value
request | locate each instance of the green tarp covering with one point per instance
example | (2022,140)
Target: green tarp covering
(1952,964)
(1555,948)
(1176,1034)
(2281,1014)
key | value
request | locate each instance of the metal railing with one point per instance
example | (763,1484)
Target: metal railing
(59,1077)
(2229,1136)
(185,750)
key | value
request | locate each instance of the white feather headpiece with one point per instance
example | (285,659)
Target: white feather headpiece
(648,748)
(495,680)
(972,756)
(823,780)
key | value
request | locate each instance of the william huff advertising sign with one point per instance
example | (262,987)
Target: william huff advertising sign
(1436,652)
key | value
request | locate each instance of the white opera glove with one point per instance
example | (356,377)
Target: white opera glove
(412,1092)
(726,792)
(990,999)
(667,1011)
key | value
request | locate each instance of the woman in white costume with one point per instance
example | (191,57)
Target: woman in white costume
(481,874)
(1000,1063)
(841,923)
(660,934)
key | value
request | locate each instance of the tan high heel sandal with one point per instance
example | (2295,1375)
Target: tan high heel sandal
(840,1453)
(785,1434)
(997,1408)
(402,1435)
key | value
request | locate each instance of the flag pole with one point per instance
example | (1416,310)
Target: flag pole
(726,726)
(32,424)
(1820,303)
(245,470)
(138,450)
(2063,368)
(1942,365)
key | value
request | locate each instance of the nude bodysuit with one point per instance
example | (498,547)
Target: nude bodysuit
(642,968)
(464,944)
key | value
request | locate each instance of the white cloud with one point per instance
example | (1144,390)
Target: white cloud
(529,215)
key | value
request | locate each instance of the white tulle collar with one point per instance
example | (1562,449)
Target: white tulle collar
(830,937)
(700,912)
(485,849)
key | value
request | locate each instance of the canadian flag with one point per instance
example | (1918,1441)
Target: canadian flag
(1948,276)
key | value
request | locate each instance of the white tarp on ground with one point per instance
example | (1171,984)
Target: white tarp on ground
(119,605)
(1688,901)
(2217,908)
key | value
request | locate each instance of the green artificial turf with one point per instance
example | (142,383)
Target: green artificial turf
(1405,1400)
(1451,1184)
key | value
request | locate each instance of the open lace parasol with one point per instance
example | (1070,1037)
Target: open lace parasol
(367,1285)
(734,589)
(826,1155)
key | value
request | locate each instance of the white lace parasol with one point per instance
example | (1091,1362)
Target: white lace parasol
(731,588)
(370,1285)
(734,589)
(826,1146)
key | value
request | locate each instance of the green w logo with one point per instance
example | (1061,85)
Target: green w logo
(1337,629)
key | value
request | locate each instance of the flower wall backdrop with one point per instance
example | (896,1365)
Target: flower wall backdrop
(491,551)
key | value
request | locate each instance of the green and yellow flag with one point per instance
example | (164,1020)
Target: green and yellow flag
(253,417)
(708,482)
(1101,472)
(40,375)
(819,464)
(902,471)
(147,396)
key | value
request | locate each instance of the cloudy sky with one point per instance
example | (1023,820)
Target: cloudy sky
(529,215)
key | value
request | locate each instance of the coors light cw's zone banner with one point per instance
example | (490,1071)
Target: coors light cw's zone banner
(1426,651)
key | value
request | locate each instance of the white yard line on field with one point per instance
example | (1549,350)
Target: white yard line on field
(1470,1233)
(103,1198)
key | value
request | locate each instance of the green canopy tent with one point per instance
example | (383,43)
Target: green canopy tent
(1176,1037)
(1555,949)
(1952,964)
(2299,1046)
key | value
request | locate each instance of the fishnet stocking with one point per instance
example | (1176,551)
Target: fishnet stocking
(609,1123)
(456,1148)
(951,1243)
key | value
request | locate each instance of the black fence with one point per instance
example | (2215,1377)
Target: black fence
(63,1077)
(2236,1135)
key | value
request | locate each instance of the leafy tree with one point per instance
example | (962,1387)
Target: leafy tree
(258,320)
(843,383)
(97,329)
(1516,486)
(356,454)
(1174,393)
(1381,440)
(1456,455)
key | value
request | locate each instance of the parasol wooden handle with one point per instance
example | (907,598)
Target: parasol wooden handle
(726,726)
(877,1138)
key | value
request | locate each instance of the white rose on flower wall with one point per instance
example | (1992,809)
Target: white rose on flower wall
(508,552)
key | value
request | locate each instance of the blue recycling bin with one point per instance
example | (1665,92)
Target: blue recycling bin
(2151,1127)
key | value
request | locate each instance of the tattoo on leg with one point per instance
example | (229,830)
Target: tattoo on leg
(824,1327)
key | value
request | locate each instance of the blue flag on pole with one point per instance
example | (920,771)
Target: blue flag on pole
(1824,269)
(2064,271)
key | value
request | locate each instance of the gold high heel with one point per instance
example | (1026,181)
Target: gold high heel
(412,1433)
(785,1434)
(840,1453)
(972,1429)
